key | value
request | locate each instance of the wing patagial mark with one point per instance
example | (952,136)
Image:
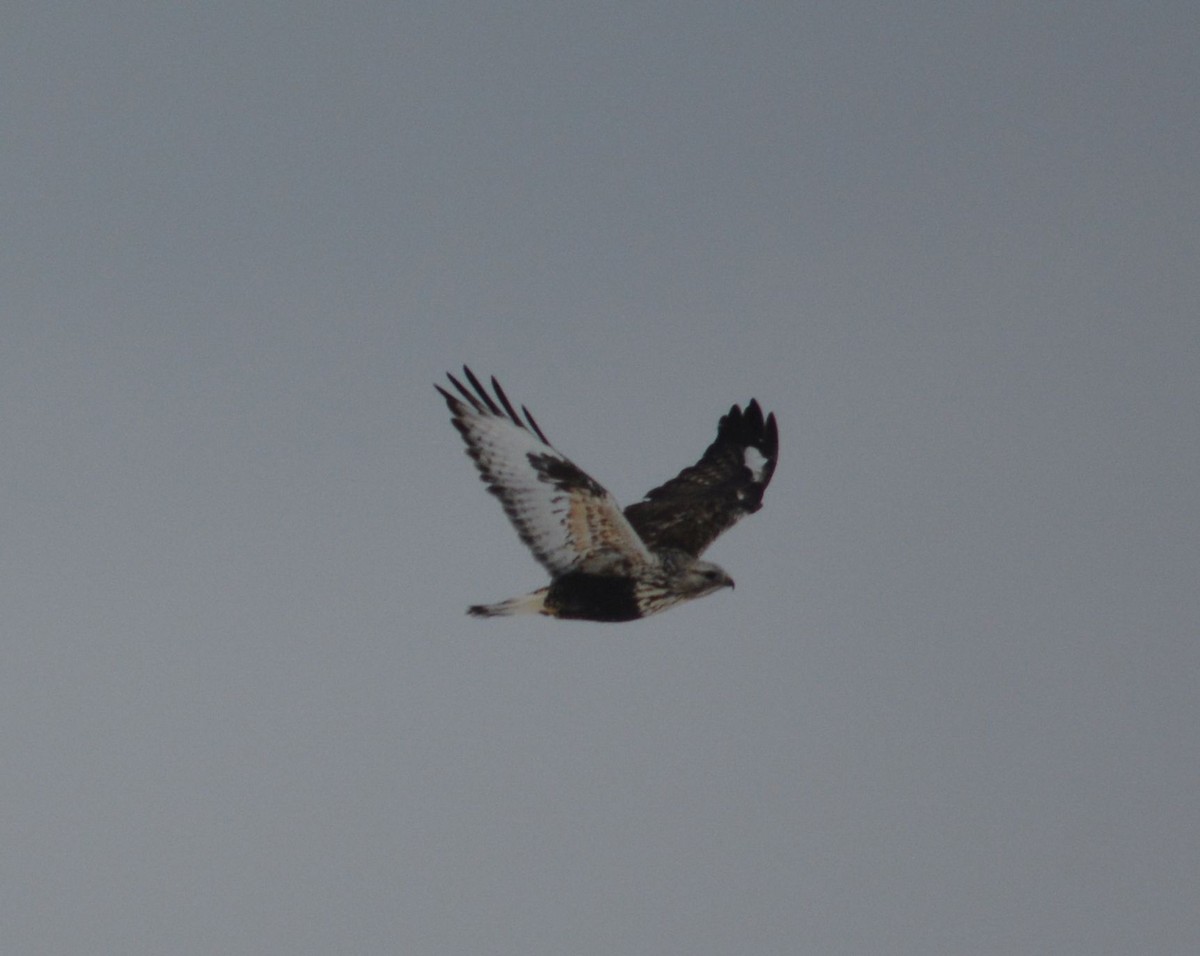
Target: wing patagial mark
(563,475)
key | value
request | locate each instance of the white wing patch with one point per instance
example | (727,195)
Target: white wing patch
(755,461)
(565,517)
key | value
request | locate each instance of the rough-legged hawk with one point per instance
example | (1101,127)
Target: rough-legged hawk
(607,564)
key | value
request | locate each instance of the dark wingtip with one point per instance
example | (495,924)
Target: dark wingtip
(505,402)
(537,429)
(464,392)
(749,427)
(453,402)
(482,392)
(483,402)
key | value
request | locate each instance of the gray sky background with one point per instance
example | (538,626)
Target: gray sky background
(952,706)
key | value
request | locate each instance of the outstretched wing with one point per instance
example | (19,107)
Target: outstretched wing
(690,510)
(566,518)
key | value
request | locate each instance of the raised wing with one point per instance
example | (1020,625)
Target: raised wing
(564,516)
(690,510)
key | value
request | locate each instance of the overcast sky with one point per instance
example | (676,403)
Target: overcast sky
(952,706)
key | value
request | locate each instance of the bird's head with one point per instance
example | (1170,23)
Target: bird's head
(701,578)
(681,578)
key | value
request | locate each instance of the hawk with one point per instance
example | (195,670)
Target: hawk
(606,564)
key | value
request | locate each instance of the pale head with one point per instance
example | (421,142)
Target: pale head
(701,578)
(681,578)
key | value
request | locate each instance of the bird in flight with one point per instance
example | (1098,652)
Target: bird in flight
(606,564)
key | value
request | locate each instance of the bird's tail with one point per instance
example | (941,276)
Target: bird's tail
(534,603)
